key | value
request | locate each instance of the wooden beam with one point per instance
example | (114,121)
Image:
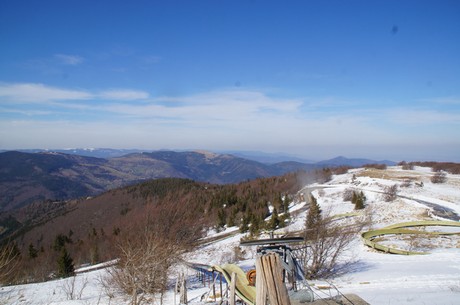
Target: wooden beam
(232,289)
(272,280)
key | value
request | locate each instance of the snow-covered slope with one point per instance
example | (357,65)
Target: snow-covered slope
(377,277)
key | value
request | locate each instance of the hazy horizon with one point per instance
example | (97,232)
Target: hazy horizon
(249,154)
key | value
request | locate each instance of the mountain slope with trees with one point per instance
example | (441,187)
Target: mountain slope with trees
(180,210)
(26,178)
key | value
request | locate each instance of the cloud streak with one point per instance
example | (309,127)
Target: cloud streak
(71,60)
(31,92)
(123,95)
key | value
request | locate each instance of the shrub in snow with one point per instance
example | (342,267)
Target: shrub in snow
(406,183)
(390,193)
(406,166)
(439,177)
(348,194)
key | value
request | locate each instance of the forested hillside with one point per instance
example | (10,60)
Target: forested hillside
(181,210)
(36,177)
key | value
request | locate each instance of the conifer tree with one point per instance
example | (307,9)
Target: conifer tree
(286,202)
(94,254)
(274,220)
(359,200)
(354,198)
(221,218)
(313,217)
(244,226)
(65,264)
(256,222)
(231,218)
(33,253)
(278,203)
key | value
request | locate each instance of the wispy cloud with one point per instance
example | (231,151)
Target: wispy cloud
(31,92)
(67,59)
(422,117)
(449,100)
(247,99)
(124,95)
(232,106)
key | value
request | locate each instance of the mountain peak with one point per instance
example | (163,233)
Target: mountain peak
(207,154)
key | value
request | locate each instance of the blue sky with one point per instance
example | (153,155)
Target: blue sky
(316,79)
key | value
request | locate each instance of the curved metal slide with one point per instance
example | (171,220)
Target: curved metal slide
(242,288)
(400,229)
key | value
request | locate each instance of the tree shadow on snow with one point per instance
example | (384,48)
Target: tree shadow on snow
(351,267)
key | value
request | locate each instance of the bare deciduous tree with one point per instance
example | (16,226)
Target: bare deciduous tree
(439,177)
(71,290)
(390,193)
(8,261)
(348,194)
(326,241)
(143,265)
(151,245)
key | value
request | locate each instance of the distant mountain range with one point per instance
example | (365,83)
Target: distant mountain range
(37,175)
(87,152)
(339,161)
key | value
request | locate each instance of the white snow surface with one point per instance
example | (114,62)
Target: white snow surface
(377,277)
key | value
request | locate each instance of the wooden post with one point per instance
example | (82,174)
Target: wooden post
(227,288)
(272,275)
(261,291)
(214,285)
(232,289)
(183,292)
(175,290)
(220,285)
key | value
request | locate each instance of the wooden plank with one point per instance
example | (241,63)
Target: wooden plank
(232,289)
(273,280)
(183,291)
(261,291)
(283,296)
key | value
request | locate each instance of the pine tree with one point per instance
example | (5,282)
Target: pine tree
(283,218)
(286,203)
(354,198)
(244,226)
(94,254)
(254,229)
(65,264)
(313,218)
(59,242)
(221,218)
(278,203)
(359,200)
(231,218)
(33,253)
(274,220)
